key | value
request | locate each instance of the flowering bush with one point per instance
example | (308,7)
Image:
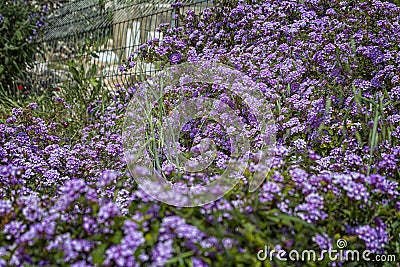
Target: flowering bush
(20,24)
(330,71)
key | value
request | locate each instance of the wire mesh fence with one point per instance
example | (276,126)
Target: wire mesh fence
(92,38)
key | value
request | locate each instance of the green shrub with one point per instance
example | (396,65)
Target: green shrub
(20,25)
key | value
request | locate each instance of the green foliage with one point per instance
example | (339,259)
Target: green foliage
(397,2)
(20,25)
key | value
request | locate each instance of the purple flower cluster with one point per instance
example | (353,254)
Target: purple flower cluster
(374,237)
(123,253)
(70,200)
(330,78)
(332,81)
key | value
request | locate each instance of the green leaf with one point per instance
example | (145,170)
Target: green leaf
(98,254)
(359,138)
(18,34)
(116,238)
(288,218)
(353,45)
(11,47)
(180,257)
(16,66)
(75,74)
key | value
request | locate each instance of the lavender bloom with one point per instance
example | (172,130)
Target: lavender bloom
(298,175)
(121,68)
(33,105)
(5,207)
(14,229)
(397,205)
(300,144)
(323,241)
(311,211)
(177,4)
(123,254)
(16,111)
(354,189)
(106,178)
(71,247)
(107,212)
(175,58)
(269,191)
(162,252)
(123,201)
(375,238)
(199,263)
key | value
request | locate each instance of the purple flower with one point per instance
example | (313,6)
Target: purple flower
(107,212)
(123,254)
(397,206)
(177,4)
(375,238)
(269,191)
(16,111)
(162,252)
(33,105)
(5,207)
(121,68)
(106,178)
(300,144)
(198,262)
(175,58)
(312,210)
(323,241)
